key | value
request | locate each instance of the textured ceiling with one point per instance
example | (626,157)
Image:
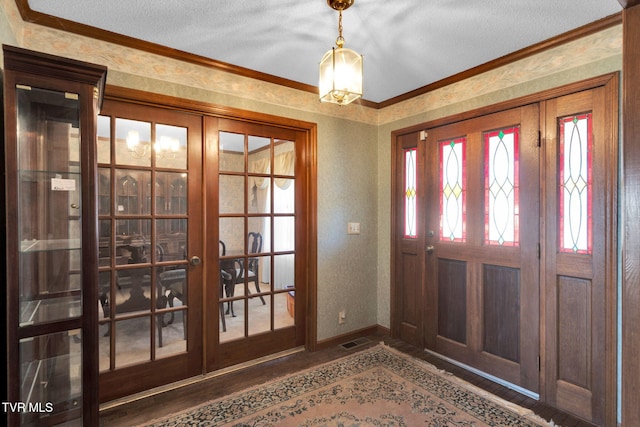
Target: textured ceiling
(406,44)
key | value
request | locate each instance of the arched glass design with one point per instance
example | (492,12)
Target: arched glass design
(410,193)
(575,184)
(453,191)
(501,180)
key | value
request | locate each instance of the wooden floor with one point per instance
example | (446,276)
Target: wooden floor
(144,409)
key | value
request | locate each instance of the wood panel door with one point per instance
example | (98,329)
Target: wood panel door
(408,218)
(482,235)
(579,252)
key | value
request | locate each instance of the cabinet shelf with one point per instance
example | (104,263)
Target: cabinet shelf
(41,310)
(50,245)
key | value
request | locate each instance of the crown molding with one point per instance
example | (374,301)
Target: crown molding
(34,17)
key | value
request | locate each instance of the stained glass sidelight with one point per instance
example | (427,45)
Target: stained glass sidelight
(453,190)
(501,178)
(575,212)
(410,176)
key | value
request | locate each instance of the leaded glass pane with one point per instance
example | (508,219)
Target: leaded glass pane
(453,190)
(501,187)
(410,175)
(575,184)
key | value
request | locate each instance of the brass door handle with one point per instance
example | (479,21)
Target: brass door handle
(430,249)
(195,260)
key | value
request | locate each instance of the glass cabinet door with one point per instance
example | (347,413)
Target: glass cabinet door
(49,231)
(49,203)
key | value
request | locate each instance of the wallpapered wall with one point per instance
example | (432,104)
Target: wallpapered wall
(353,142)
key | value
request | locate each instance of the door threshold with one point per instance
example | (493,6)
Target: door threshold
(193,380)
(483,374)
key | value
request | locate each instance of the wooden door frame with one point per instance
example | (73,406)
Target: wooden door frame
(630,295)
(309,130)
(610,81)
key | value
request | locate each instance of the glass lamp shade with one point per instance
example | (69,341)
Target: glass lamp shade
(340,76)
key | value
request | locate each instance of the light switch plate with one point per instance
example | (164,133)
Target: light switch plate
(353,228)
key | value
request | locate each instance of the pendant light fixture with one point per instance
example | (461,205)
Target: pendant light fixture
(340,68)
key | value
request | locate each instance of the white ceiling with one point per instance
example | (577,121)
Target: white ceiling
(406,44)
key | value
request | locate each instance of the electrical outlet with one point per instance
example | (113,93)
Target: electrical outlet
(342,316)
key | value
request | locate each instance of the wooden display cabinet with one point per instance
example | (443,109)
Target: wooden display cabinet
(51,106)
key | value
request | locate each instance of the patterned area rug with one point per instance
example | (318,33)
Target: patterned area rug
(375,387)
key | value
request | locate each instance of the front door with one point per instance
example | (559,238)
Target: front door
(256,236)
(505,245)
(482,228)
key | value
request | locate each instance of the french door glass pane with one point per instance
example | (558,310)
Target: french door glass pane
(132,192)
(284,158)
(284,309)
(104,139)
(170,147)
(231,194)
(104,191)
(259,148)
(133,142)
(231,153)
(284,196)
(501,187)
(284,271)
(132,341)
(259,315)
(284,233)
(575,184)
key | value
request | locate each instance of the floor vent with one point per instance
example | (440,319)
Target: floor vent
(355,343)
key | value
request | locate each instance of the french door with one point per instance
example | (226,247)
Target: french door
(206,240)
(149,220)
(256,237)
(505,246)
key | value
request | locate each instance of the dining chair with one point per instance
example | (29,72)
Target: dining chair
(252,269)
(227,282)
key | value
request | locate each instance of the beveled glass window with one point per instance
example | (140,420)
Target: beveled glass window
(453,192)
(575,186)
(410,177)
(501,187)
